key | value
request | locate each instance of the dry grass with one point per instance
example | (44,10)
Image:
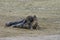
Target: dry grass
(12,10)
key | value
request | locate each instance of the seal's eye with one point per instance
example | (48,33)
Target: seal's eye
(35,16)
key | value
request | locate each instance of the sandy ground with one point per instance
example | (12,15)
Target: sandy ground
(47,11)
(48,37)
